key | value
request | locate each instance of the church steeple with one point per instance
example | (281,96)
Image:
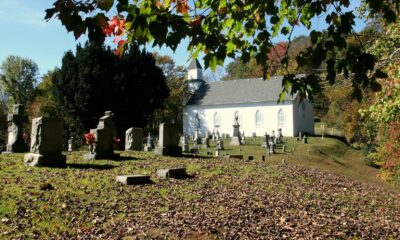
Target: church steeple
(195,71)
(194,76)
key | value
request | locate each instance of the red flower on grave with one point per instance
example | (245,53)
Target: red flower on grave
(116,140)
(89,138)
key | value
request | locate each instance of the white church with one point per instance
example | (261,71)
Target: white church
(214,106)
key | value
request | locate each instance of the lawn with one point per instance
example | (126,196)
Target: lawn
(324,190)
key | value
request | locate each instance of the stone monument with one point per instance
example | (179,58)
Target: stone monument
(220,145)
(133,139)
(71,145)
(185,144)
(265,141)
(168,143)
(104,134)
(149,143)
(46,143)
(236,137)
(243,139)
(16,121)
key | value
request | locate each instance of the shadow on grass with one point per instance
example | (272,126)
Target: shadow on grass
(90,166)
(124,158)
(331,157)
(195,156)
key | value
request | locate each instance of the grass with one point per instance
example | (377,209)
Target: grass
(87,198)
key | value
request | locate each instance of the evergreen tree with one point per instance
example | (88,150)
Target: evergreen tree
(95,80)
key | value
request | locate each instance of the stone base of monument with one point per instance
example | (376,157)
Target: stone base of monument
(7,152)
(97,156)
(168,151)
(147,149)
(235,141)
(38,160)
(172,173)
(134,179)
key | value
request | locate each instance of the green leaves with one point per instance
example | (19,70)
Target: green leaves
(105,5)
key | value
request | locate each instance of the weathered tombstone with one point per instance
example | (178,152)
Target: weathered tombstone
(243,139)
(197,137)
(254,135)
(133,139)
(279,135)
(220,145)
(265,141)
(218,137)
(283,161)
(133,179)
(16,119)
(305,141)
(217,153)
(283,148)
(104,135)
(272,137)
(236,137)
(185,144)
(172,173)
(213,137)
(168,140)
(71,145)
(46,143)
(227,136)
(149,143)
(299,137)
(272,148)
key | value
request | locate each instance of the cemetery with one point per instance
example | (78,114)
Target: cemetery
(246,187)
(291,130)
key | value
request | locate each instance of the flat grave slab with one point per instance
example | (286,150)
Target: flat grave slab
(172,173)
(133,179)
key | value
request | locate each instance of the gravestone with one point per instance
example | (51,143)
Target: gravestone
(172,173)
(133,139)
(279,136)
(299,137)
(273,139)
(71,145)
(254,135)
(185,144)
(305,141)
(149,143)
(104,135)
(218,137)
(197,137)
(16,119)
(206,142)
(265,141)
(236,137)
(213,136)
(243,138)
(168,140)
(220,145)
(227,136)
(46,143)
(272,148)
(133,179)
(223,136)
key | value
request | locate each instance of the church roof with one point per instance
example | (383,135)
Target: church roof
(194,64)
(239,91)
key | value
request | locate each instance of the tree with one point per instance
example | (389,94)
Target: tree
(95,80)
(235,28)
(44,104)
(172,109)
(17,79)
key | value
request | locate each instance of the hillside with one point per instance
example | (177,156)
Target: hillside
(225,198)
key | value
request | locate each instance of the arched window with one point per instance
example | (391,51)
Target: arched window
(217,119)
(281,118)
(259,119)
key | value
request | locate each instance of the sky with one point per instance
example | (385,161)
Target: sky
(24,33)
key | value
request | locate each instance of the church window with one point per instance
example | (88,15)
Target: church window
(217,119)
(281,118)
(259,119)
